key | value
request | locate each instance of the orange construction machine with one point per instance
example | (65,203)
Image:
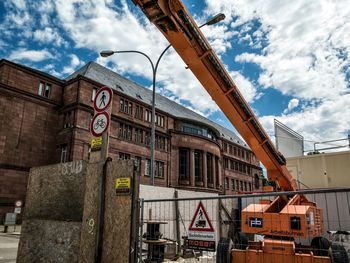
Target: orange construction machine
(280,220)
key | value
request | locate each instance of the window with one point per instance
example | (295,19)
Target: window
(124,156)
(125,131)
(245,186)
(160,142)
(250,186)
(147,138)
(125,106)
(230,149)
(93,94)
(226,163)
(232,165)
(44,89)
(147,167)
(159,120)
(235,150)
(224,147)
(64,153)
(68,120)
(217,173)
(159,170)
(256,181)
(139,112)
(148,115)
(192,130)
(198,166)
(183,164)
(227,183)
(241,185)
(138,136)
(137,163)
(210,174)
(237,185)
(233,184)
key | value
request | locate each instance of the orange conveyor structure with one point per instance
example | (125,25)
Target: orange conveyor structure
(174,21)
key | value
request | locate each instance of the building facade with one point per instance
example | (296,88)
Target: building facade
(45,120)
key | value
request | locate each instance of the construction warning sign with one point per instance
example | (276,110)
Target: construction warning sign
(201,234)
(96,144)
(123,185)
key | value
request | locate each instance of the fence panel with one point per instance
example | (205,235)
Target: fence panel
(166,223)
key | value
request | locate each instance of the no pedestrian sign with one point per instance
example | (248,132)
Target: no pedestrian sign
(103,99)
(99,123)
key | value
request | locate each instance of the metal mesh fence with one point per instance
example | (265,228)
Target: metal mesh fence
(267,227)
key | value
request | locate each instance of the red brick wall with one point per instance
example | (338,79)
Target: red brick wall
(13,186)
(27,132)
(23,80)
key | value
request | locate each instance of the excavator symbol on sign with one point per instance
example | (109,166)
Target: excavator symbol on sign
(201,222)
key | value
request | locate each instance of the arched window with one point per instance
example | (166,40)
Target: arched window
(256,181)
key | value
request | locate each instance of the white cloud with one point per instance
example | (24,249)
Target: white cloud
(305,55)
(74,63)
(95,25)
(49,35)
(245,86)
(292,104)
(326,121)
(31,55)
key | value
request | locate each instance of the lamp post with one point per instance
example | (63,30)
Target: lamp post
(106,53)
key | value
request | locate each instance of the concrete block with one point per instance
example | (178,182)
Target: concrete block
(49,241)
(56,192)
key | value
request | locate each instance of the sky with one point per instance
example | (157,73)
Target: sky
(290,59)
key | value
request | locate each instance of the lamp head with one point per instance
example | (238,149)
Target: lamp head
(217,18)
(107,53)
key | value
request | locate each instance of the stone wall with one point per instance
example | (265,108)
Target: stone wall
(54,211)
(61,218)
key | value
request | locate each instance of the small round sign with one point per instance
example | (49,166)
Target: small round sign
(99,123)
(103,99)
(18,203)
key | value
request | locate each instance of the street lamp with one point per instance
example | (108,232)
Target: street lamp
(106,53)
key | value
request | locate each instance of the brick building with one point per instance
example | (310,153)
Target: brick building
(45,120)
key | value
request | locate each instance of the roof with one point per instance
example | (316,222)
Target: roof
(107,77)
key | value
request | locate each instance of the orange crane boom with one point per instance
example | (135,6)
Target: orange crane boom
(174,21)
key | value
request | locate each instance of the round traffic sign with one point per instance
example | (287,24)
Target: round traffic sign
(99,123)
(18,203)
(103,99)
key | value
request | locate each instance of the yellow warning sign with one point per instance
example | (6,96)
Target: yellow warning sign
(123,185)
(96,143)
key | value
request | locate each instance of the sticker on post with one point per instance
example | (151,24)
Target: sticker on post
(96,144)
(123,185)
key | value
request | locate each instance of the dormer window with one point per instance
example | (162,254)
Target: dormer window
(44,89)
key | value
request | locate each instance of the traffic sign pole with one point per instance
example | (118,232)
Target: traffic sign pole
(100,124)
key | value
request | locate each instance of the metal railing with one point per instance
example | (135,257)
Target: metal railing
(165,224)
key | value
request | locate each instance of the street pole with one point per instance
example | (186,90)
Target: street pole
(106,53)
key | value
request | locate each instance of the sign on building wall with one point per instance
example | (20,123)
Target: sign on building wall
(201,234)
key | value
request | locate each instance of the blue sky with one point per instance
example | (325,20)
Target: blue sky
(289,58)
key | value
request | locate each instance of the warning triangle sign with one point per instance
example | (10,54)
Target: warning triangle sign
(200,221)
